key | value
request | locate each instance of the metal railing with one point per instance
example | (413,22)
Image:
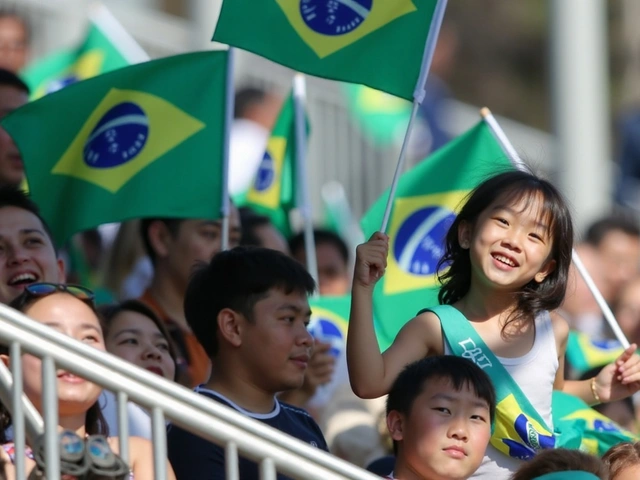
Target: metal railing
(273,450)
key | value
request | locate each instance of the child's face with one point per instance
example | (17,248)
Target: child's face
(445,435)
(510,244)
(276,346)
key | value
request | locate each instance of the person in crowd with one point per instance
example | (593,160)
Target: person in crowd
(175,246)
(508,254)
(15,39)
(27,251)
(258,231)
(249,309)
(332,256)
(14,93)
(616,239)
(562,464)
(255,113)
(623,461)
(70,310)
(133,332)
(439,414)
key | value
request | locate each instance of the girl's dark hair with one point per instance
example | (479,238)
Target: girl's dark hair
(109,312)
(95,423)
(621,456)
(561,460)
(511,187)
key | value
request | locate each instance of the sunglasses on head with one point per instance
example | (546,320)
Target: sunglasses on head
(38,290)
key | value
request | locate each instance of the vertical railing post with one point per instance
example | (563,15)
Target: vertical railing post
(123,425)
(17,414)
(50,409)
(159,435)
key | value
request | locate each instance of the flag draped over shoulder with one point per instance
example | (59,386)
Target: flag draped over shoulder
(427,199)
(97,55)
(146,140)
(273,191)
(371,42)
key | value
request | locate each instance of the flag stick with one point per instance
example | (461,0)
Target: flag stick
(517,162)
(228,122)
(102,18)
(304,204)
(418,98)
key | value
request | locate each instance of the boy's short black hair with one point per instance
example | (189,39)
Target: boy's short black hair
(238,279)
(14,196)
(459,371)
(172,224)
(321,237)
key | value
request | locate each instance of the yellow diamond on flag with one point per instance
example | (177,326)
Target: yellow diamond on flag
(128,131)
(88,65)
(267,185)
(328,26)
(418,228)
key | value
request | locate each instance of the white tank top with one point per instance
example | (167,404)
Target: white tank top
(535,373)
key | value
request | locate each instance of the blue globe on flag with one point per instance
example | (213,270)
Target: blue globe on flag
(118,138)
(328,332)
(419,243)
(335,17)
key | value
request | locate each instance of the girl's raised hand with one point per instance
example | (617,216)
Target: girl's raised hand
(620,379)
(371,260)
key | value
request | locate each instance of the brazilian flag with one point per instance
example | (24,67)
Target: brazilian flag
(427,200)
(329,321)
(96,55)
(273,192)
(585,353)
(379,43)
(598,433)
(145,140)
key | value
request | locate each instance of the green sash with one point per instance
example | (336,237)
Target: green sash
(519,430)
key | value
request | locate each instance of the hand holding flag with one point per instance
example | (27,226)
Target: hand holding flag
(371,261)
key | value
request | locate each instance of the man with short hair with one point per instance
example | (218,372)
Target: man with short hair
(14,93)
(14,40)
(27,252)
(175,246)
(332,255)
(249,309)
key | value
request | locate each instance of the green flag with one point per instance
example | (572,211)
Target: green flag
(375,43)
(574,417)
(427,199)
(98,54)
(273,191)
(585,353)
(382,118)
(145,140)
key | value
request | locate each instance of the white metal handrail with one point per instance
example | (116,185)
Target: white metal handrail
(165,399)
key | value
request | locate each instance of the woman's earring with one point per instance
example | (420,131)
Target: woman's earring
(464,244)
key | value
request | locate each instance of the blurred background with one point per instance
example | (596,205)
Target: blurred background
(561,76)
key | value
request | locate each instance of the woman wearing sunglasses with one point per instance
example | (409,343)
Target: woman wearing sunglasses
(70,310)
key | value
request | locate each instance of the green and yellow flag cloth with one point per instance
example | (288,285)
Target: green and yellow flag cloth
(96,55)
(427,199)
(273,191)
(145,140)
(372,42)
(585,353)
(329,321)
